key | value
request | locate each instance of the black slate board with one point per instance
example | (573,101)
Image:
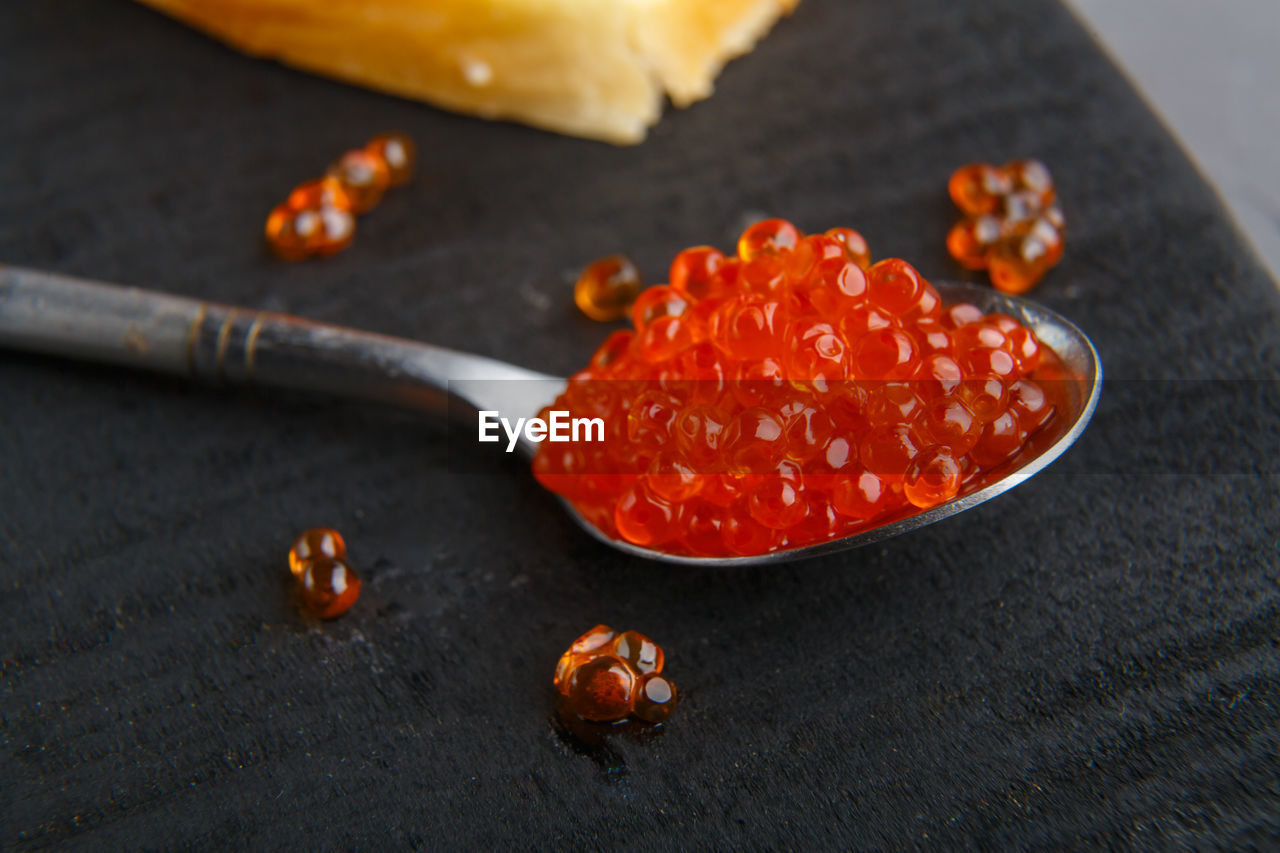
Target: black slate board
(1090,659)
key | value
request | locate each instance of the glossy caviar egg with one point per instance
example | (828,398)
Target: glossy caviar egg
(770,237)
(399,154)
(740,420)
(639,651)
(655,699)
(777,503)
(854,243)
(324,192)
(364,178)
(978,187)
(291,234)
(601,689)
(1012,226)
(644,518)
(316,542)
(606,288)
(605,677)
(337,230)
(863,496)
(328,586)
(932,478)
(694,273)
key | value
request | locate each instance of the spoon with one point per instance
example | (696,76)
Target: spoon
(59,315)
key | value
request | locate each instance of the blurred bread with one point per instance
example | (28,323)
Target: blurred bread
(593,68)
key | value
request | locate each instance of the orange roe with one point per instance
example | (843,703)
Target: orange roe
(606,288)
(318,218)
(1012,226)
(605,677)
(750,412)
(326,584)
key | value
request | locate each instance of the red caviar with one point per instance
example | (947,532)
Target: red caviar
(606,288)
(1012,227)
(318,218)
(748,414)
(327,585)
(605,677)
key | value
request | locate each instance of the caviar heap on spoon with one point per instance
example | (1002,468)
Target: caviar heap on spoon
(58,315)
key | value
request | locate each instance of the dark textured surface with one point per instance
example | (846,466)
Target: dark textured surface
(1089,659)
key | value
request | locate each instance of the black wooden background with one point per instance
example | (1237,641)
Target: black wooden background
(1089,659)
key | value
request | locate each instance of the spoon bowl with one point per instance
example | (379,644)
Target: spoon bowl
(58,315)
(1081,388)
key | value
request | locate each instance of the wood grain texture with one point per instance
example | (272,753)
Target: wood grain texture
(1088,660)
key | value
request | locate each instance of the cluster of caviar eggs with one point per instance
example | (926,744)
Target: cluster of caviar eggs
(1012,226)
(318,217)
(326,584)
(607,677)
(792,394)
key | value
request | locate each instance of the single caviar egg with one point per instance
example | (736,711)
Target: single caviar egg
(328,587)
(606,288)
(292,234)
(364,178)
(605,677)
(789,396)
(316,542)
(398,152)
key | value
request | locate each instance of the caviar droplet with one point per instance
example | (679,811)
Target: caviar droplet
(855,245)
(607,288)
(979,187)
(655,700)
(325,192)
(316,542)
(695,273)
(328,587)
(399,154)
(601,689)
(291,234)
(363,177)
(639,651)
(605,677)
(770,237)
(932,478)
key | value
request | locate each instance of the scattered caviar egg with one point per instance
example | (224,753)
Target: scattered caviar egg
(1012,227)
(607,288)
(291,234)
(747,414)
(399,154)
(655,699)
(328,586)
(364,178)
(318,217)
(324,192)
(316,542)
(606,677)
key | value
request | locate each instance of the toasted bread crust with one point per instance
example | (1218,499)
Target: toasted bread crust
(597,70)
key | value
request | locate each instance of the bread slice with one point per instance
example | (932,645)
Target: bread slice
(593,68)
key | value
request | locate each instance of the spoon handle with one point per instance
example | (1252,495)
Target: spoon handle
(91,321)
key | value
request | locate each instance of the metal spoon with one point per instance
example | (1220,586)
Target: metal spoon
(58,315)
